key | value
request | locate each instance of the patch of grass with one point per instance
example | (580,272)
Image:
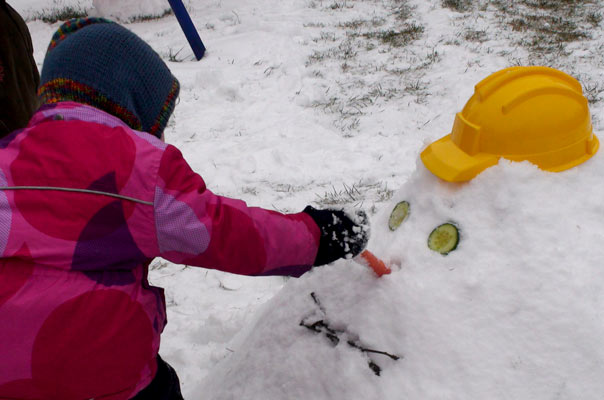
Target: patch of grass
(384,194)
(344,51)
(473,35)
(458,5)
(418,64)
(399,37)
(545,27)
(432,57)
(540,46)
(379,92)
(173,55)
(594,18)
(554,5)
(349,194)
(314,25)
(551,28)
(337,5)
(250,190)
(143,18)
(354,106)
(347,111)
(416,87)
(357,24)
(285,187)
(593,91)
(355,194)
(345,108)
(402,11)
(325,37)
(350,110)
(56,14)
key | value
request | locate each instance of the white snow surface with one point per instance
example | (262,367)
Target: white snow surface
(515,312)
(125,11)
(118,10)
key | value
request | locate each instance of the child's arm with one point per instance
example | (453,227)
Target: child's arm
(196,227)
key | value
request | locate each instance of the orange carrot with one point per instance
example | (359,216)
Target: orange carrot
(375,263)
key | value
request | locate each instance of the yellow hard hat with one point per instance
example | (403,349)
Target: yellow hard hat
(537,114)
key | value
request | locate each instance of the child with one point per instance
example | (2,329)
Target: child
(18,72)
(89,195)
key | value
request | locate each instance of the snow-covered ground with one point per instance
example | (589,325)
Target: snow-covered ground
(329,103)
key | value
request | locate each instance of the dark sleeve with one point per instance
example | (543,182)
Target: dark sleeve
(19,77)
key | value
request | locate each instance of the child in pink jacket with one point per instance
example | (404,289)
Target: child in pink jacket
(89,195)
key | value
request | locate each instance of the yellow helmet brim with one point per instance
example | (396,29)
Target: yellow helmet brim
(447,161)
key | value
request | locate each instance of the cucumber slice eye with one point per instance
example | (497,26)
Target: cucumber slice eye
(398,215)
(444,238)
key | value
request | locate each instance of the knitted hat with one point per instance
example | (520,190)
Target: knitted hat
(100,63)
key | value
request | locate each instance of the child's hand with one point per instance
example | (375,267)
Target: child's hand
(342,235)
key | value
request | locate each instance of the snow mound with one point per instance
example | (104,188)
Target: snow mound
(127,11)
(515,312)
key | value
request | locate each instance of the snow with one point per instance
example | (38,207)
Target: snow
(287,108)
(125,11)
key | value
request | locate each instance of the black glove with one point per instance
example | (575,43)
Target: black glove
(341,235)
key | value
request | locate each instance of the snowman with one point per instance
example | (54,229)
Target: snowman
(497,284)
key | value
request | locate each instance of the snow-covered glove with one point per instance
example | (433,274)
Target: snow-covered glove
(342,235)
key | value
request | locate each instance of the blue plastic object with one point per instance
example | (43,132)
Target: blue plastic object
(184,19)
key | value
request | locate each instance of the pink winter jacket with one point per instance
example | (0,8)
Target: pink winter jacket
(85,204)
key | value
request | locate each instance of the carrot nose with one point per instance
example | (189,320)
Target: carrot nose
(377,265)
